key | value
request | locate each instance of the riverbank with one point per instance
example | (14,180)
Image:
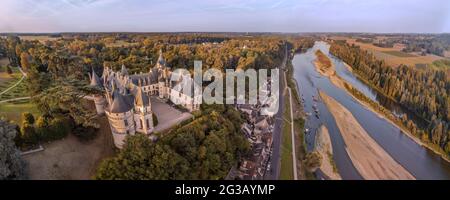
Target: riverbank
(324,147)
(369,158)
(299,123)
(325,70)
(374,107)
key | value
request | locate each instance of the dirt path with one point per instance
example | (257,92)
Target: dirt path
(70,159)
(369,158)
(294,156)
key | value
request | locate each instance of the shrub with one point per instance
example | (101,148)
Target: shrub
(28,118)
(59,128)
(28,135)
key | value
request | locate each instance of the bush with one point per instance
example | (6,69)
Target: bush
(53,129)
(59,128)
(28,118)
(28,136)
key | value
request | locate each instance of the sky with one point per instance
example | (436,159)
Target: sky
(380,16)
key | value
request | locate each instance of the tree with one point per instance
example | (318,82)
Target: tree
(63,98)
(313,161)
(25,61)
(11,164)
(142,160)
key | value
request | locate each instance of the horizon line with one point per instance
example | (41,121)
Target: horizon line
(234,32)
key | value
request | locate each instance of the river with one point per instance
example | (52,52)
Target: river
(419,161)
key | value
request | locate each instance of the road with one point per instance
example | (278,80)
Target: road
(274,173)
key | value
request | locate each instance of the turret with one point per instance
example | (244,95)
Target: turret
(124,70)
(99,100)
(143,116)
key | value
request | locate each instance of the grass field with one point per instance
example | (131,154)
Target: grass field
(286,171)
(8,80)
(13,111)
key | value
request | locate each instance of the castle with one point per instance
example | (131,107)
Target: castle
(127,103)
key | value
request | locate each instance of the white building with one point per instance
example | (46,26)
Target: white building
(127,101)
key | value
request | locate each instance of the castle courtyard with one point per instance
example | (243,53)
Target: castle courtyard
(167,115)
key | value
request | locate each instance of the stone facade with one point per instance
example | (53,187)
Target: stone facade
(127,102)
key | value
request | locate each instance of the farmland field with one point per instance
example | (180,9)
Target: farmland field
(42,38)
(394,56)
(399,53)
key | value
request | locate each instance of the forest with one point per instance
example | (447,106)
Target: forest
(423,91)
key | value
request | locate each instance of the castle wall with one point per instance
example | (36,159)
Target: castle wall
(143,120)
(122,124)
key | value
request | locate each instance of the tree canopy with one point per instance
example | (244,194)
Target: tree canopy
(11,164)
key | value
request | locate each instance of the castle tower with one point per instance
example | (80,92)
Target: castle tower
(120,117)
(99,100)
(143,115)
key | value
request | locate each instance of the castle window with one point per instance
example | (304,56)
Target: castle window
(126,122)
(148,123)
(142,124)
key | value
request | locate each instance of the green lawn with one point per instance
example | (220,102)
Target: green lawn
(399,54)
(13,111)
(286,171)
(8,80)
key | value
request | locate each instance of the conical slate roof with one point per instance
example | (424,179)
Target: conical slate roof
(119,104)
(95,80)
(124,70)
(141,99)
